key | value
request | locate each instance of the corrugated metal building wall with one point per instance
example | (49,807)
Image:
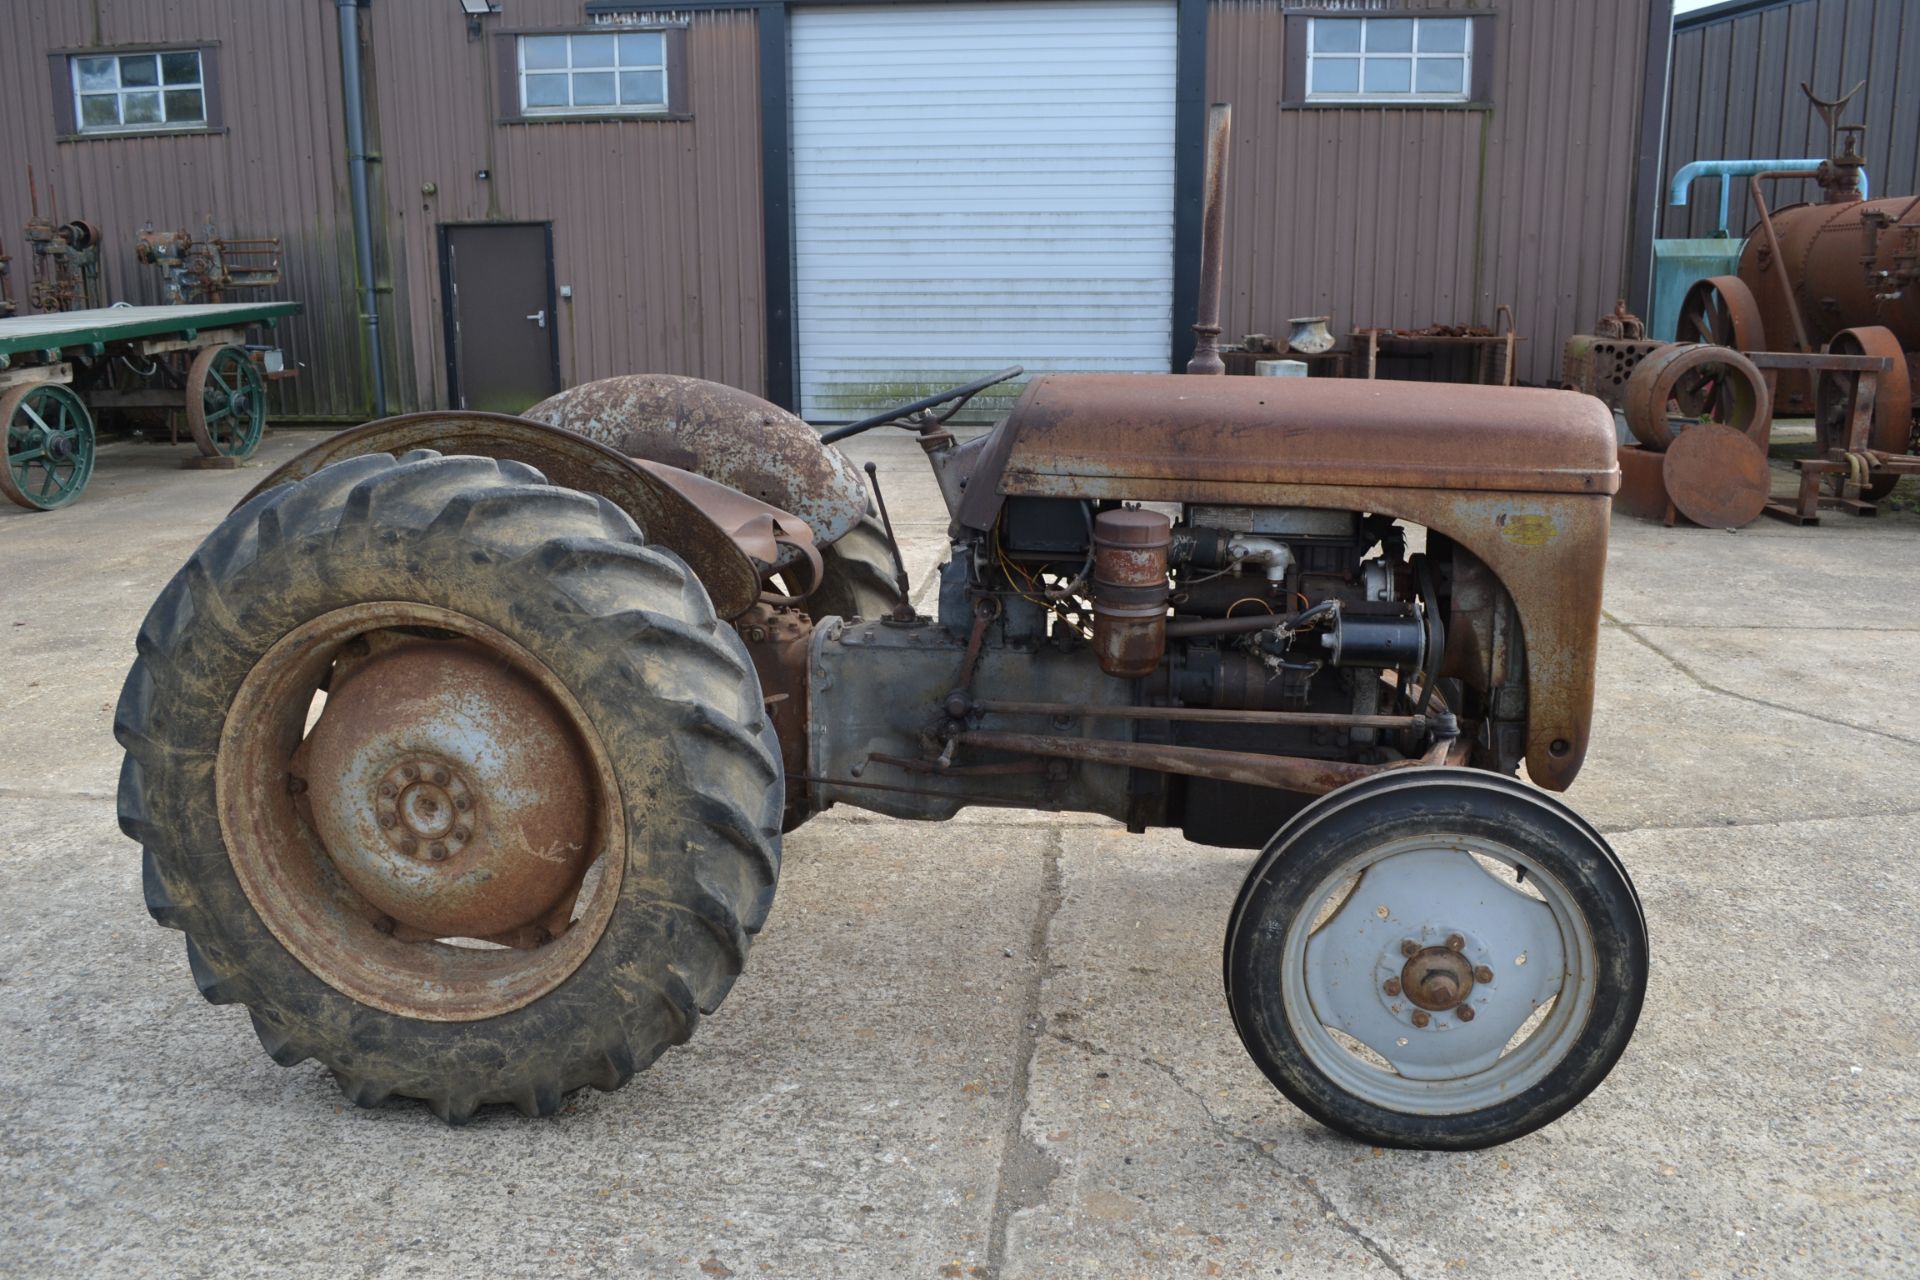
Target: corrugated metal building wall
(1408,217)
(1381,216)
(656,223)
(1737,71)
(276,169)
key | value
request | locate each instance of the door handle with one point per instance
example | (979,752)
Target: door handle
(539,317)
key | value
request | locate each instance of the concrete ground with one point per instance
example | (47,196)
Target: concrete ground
(998,1048)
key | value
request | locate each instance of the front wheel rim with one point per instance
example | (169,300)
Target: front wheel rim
(386,952)
(1345,978)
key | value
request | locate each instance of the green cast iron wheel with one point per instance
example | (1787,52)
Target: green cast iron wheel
(49,445)
(226,402)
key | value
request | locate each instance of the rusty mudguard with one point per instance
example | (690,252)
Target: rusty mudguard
(1521,478)
(665,513)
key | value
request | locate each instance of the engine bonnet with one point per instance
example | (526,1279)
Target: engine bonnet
(1090,435)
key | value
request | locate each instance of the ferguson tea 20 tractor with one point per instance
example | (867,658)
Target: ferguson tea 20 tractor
(462,750)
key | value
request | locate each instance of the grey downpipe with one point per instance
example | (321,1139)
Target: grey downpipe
(357,180)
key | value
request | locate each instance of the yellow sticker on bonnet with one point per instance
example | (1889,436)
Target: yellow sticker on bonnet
(1528,530)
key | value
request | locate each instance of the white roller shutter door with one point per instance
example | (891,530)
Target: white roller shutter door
(978,185)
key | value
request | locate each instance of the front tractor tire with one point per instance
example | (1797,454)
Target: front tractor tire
(457,786)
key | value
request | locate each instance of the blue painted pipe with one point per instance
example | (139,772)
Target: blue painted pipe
(1728,170)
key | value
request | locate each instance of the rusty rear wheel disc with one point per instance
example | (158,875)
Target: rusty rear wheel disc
(450,788)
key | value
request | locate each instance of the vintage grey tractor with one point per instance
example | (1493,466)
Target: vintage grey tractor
(462,750)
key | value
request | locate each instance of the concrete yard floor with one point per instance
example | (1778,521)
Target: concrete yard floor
(999,1047)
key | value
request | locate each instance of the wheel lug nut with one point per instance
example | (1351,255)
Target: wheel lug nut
(440,777)
(409,845)
(462,803)
(1409,947)
(438,852)
(461,834)
(388,820)
(410,773)
(1464,1013)
(1455,942)
(1391,986)
(1420,1018)
(1483,974)
(387,790)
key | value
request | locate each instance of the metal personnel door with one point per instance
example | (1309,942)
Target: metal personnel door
(977,185)
(496,280)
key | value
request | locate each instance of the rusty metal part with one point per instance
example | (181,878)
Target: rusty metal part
(410,735)
(1076,428)
(571,461)
(207,269)
(1721,312)
(1770,237)
(1437,978)
(720,432)
(1600,366)
(1421,1017)
(1696,384)
(316,863)
(778,641)
(1643,485)
(773,539)
(1285,773)
(1213,215)
(903,611)
(1518,477)
(1717,477)
(1130,590)
(1202,715)
(1620,323)
(1892,418)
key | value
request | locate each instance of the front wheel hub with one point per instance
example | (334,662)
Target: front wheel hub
(1436,978)
(448,790)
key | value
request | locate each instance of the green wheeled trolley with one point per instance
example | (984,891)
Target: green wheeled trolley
(57,370)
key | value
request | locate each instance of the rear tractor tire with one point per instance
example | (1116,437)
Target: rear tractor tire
(857,578)
(459,788)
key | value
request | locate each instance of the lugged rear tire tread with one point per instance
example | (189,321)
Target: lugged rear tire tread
(629,630)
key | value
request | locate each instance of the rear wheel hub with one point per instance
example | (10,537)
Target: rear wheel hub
(448,790)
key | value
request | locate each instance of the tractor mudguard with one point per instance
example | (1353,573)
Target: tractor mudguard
(722,433)
(667,517)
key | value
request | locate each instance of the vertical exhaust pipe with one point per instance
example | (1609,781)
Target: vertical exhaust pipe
(1206,329)
(353,91)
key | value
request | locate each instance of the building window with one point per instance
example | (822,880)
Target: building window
(1378,59)
(618,73)
(127,92)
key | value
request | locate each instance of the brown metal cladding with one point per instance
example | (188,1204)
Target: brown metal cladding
(1402,217)
(1736,96)
(656,223)
(277,167)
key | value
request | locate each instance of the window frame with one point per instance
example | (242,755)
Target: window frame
(1412,55)
(510,75)
(63,67)
(1482,61)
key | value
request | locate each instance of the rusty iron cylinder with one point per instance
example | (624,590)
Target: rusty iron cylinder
(1130,590)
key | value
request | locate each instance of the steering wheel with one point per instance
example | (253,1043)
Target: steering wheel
(959,395)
